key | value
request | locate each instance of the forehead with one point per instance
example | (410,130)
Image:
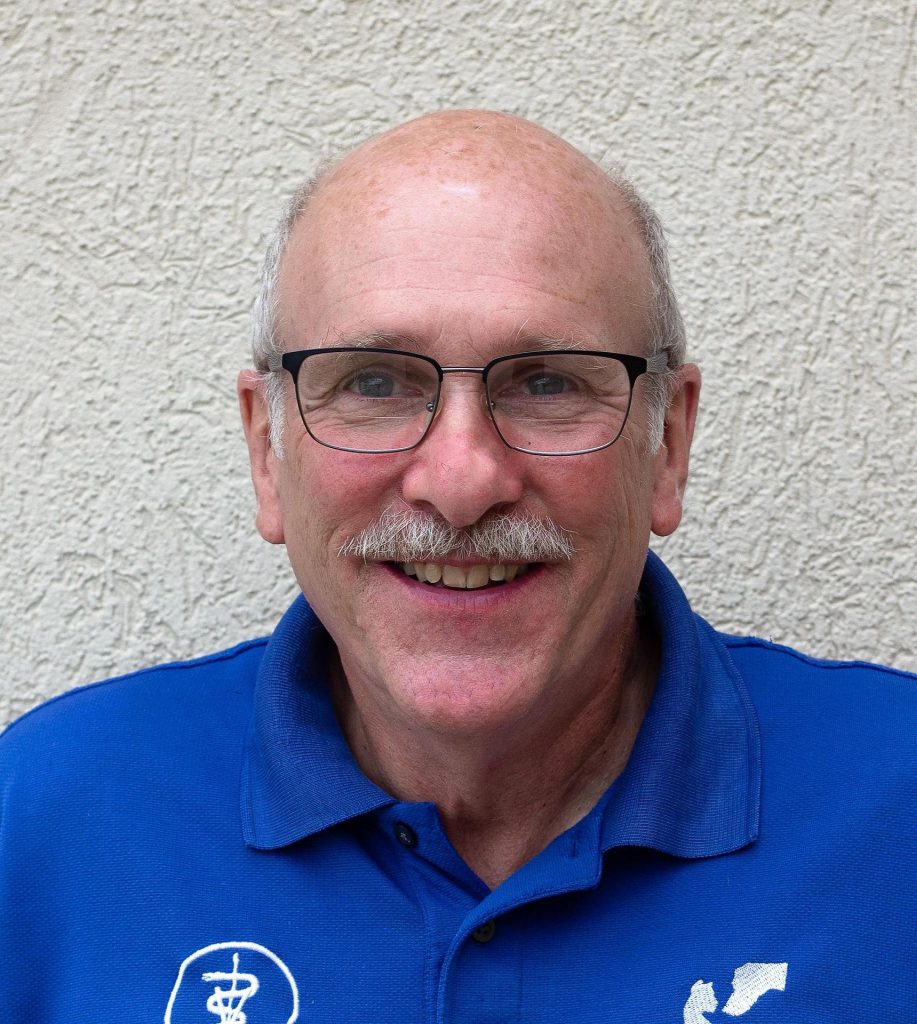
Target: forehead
(448,236)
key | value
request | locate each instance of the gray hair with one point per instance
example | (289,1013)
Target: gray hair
(265,342)
(409,535)
(667,331)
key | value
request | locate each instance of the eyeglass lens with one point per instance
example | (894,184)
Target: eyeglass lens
(369,401)
(550,403)
(559,402)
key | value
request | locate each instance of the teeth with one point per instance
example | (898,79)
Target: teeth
(453,576)
(471,578)
(477,576)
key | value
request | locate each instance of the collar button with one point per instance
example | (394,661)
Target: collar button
(405,835)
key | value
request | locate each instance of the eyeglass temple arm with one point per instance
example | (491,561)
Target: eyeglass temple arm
(658,363)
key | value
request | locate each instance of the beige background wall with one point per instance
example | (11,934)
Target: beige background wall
(145,147)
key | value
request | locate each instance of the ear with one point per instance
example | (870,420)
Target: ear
(264,463)
(670,466)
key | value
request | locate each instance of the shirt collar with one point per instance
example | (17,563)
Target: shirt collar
(692,784)
(300,776)
(690,789)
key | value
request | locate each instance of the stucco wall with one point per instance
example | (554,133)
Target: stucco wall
(145,148)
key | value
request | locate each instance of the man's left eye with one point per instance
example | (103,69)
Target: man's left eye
(547,385)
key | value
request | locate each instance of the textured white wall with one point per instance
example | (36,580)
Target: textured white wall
(145,148)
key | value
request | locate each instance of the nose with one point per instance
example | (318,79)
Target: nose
(462,469)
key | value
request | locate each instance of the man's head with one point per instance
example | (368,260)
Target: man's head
(466,236)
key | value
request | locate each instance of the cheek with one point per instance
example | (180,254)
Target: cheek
(328,495)
(602,496)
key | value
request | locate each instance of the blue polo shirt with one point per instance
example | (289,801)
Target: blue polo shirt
(195,843)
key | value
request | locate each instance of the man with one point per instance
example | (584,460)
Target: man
(494,769)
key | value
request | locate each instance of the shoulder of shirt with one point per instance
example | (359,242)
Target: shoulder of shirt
(74,702)
(851,695)
(797,659)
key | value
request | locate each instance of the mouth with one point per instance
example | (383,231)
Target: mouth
(457,577)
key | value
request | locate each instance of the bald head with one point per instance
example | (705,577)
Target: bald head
(529,197)
(484,148)
(485,134)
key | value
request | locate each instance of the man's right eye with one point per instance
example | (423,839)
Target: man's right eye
(373,385)
(546,384)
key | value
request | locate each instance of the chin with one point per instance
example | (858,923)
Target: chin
(472,697)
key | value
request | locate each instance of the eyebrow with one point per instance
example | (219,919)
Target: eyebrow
(547,342)
(378,339)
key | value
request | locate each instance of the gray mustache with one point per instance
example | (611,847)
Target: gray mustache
(411,536)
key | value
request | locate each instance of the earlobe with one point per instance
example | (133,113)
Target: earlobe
(263,462)
(671,461)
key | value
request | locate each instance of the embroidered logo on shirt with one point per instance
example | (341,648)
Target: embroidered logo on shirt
(233,983)
(749,983)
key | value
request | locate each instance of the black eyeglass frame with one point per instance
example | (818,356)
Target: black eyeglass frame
(636,367)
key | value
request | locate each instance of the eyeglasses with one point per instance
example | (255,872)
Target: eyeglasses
(380,400)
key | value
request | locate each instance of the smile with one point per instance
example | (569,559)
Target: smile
(471,577)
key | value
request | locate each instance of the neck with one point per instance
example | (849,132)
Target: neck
(504,794)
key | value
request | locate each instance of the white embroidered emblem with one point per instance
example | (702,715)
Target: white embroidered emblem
(258,980)
(749,983)
(227,1003)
